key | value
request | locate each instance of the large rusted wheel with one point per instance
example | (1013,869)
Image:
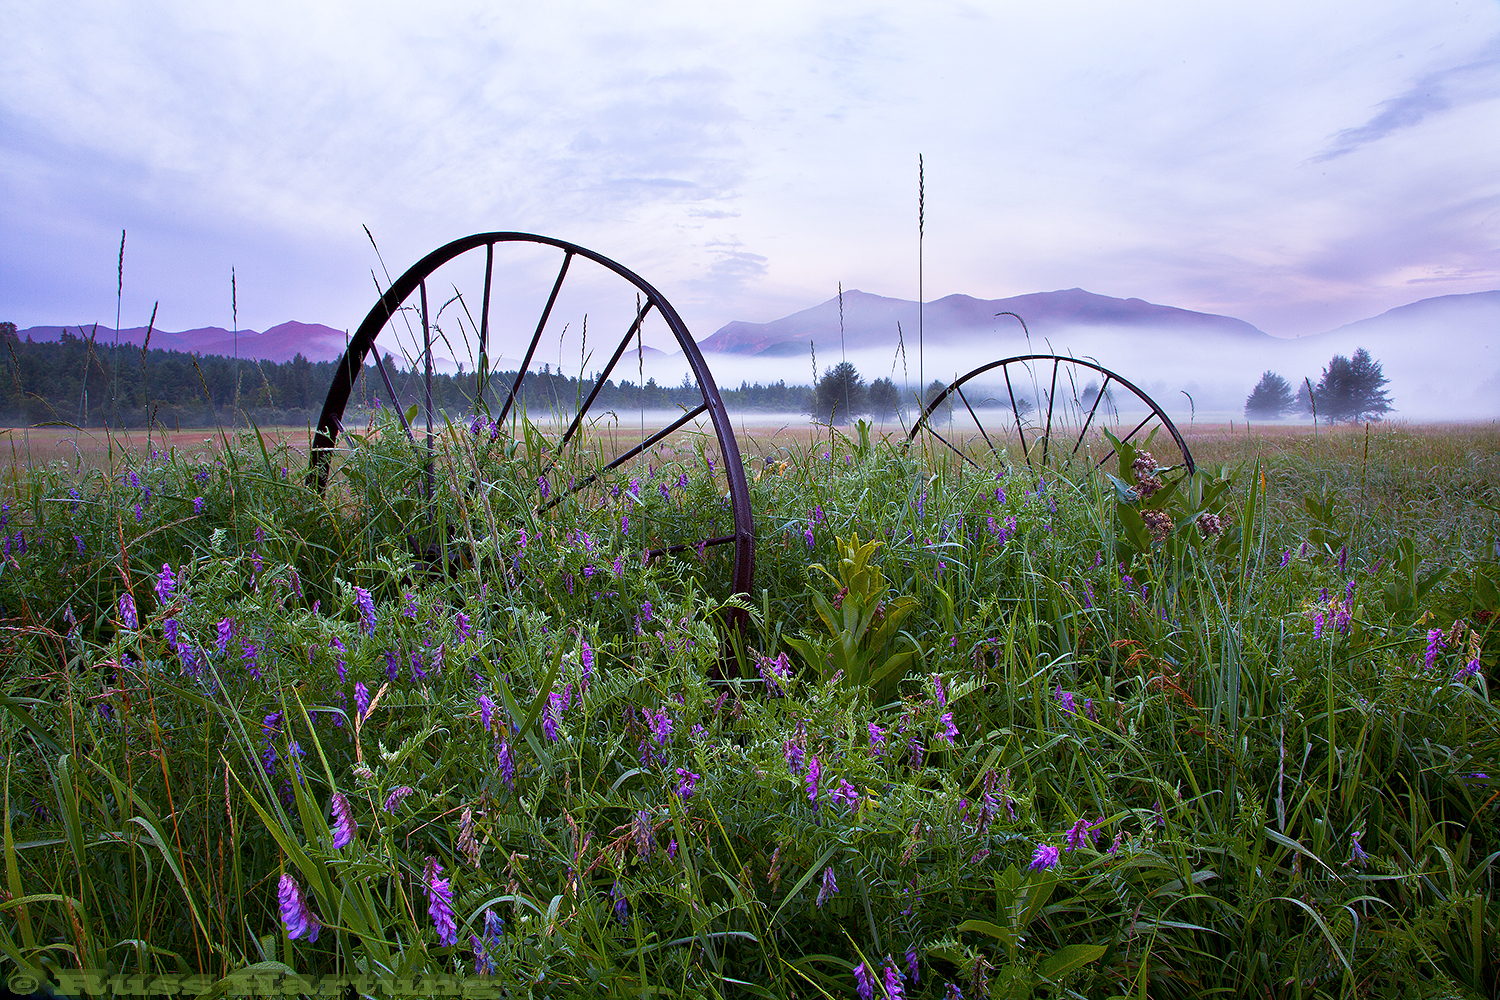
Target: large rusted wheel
(571,418)
(1045,405)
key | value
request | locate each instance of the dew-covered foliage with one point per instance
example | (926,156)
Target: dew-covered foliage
(981,732)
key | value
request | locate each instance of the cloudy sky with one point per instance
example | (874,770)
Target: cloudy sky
(1298,165)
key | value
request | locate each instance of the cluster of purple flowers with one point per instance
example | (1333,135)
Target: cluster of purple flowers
(343,820)
(494,929)
(298,917)
(1002,532)
(366,605)
(440,904)
(776,673)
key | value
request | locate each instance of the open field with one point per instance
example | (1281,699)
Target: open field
(1229,734)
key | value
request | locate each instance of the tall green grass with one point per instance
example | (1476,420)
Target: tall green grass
(1242,800)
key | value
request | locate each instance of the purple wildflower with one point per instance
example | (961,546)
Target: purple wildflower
(622,905)
(343,820)
(440,904)
(937,688)
(893,978)
(296,915)
(339,652)
(776,673)
(794,754)
(250,657)
(486,710)
(461,628)
(807,536)
(1468,671)
(507,765)
(814,771)
(661,725)
(846,795)
(226,629)
(949,731)
(392,665)
(913,971)
(1066,697)
(687,782)
(1434,643)
(877,739)
(366,605)
(549,717)
(361,700)
(1045,856)
(166,584)
(1317,625)
(410,610)
(640,829)
(394,799)
(864,979)
(953,993)
(1357,855)
(127,611)
(829,886)
(1078,834)
(541,484)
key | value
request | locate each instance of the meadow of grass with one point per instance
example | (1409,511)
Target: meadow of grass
(986,733)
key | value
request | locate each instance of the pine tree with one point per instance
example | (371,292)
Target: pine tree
(1272,397)
(1351,389)
(841,395)
(885,401)
(1367,379)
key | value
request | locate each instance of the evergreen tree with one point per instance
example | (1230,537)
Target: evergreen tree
(885,401)
(1271,398)
(1351,389)
(1367,380)
(841,395)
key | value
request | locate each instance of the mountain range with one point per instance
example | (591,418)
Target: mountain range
(860,320)
(313,341)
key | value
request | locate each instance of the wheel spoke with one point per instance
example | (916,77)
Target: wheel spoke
(535,337)
(1090,418)
(603,376)
(427,353)
(684,546)
(484,325)
(632,453)
(1017,414)
(1051,398)
(986,437)
(956,451)
(1146,420)
(385,377)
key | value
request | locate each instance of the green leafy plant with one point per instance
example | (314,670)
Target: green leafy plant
(863,623)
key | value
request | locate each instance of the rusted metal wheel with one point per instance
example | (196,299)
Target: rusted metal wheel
(426,318)
(1046,404)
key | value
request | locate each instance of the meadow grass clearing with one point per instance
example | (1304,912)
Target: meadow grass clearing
(1102,733)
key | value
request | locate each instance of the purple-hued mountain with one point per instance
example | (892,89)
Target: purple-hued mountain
(870,321)
(280,343)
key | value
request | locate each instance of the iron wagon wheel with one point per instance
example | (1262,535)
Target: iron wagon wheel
(1044,392)
(430,344)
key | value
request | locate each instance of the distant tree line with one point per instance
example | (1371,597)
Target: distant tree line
(99,384)
(1351,389)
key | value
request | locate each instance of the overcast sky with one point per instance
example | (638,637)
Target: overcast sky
(1298,164)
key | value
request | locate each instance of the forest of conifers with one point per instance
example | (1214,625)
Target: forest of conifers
(71,381)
